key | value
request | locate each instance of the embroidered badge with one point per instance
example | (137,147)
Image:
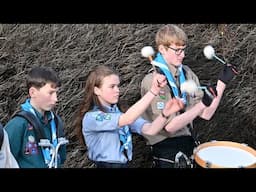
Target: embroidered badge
(160,105)
(103,116)
(100,117)
(30,127)
(31,139)
(162,94)
(107,116)
(31,146)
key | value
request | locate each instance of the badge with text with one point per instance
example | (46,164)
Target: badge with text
(31,146)
(100,117)
(162,94)
(160,105)
(107,116)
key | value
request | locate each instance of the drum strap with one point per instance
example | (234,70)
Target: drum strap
(193,134)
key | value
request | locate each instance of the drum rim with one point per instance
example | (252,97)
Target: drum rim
(204,164)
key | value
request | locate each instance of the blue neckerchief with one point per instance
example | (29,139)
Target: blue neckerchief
(125,135)
(159,59)
(47,153)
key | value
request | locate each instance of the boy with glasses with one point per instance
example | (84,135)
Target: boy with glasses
(173,146)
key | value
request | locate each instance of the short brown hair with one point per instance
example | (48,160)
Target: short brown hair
(39,76)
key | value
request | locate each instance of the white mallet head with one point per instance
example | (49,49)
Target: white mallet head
(209,52)
(189,87)
(147,51)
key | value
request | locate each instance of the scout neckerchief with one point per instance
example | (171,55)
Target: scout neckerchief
(47,152)
(160,62)
(124,134)
(125,137)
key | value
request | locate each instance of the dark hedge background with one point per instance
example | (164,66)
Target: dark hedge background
(73,49)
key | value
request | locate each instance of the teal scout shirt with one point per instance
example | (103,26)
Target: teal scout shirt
(24,146)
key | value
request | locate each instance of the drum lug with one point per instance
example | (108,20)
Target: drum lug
(208,164)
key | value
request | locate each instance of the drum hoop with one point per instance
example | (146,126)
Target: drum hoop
(205,164)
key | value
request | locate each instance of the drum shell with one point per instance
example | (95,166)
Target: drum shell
(208,164)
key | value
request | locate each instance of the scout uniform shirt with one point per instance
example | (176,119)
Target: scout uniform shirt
(101,133)
(159,102)
(24,146)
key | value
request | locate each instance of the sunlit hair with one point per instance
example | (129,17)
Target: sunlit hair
(171,34)
(39,76)
(94,79)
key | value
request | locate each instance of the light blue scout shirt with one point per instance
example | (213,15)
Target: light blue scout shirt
(101,133)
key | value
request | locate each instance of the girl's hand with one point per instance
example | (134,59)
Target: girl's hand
(158,82)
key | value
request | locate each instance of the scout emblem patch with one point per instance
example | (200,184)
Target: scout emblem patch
(162,94)
(160,105)
(31,146)
(99,117)
(102,116)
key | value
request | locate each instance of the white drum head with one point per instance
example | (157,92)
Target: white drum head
(225,154)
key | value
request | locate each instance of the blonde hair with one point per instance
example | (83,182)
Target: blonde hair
(171,34)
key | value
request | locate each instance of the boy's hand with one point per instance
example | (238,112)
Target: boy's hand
(228,72)
(209,94)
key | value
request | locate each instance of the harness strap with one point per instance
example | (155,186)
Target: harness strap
(33,121)
(37,125)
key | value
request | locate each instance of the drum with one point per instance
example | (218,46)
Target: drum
(224,154)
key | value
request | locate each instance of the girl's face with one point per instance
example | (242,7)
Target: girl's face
(109,91)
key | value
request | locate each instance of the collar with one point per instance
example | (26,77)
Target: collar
(28,107)
(44,119)
(173,69)
(108,109)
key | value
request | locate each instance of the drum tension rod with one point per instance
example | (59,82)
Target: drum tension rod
(208,164)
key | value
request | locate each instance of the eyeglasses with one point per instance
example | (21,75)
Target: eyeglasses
(178,51)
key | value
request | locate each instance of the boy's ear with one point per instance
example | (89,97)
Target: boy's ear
(32,91)
(161,48)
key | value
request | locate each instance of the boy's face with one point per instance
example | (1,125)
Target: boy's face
(45,98)
(173,54)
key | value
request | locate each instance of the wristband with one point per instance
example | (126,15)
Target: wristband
(166,117)
(153,93)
